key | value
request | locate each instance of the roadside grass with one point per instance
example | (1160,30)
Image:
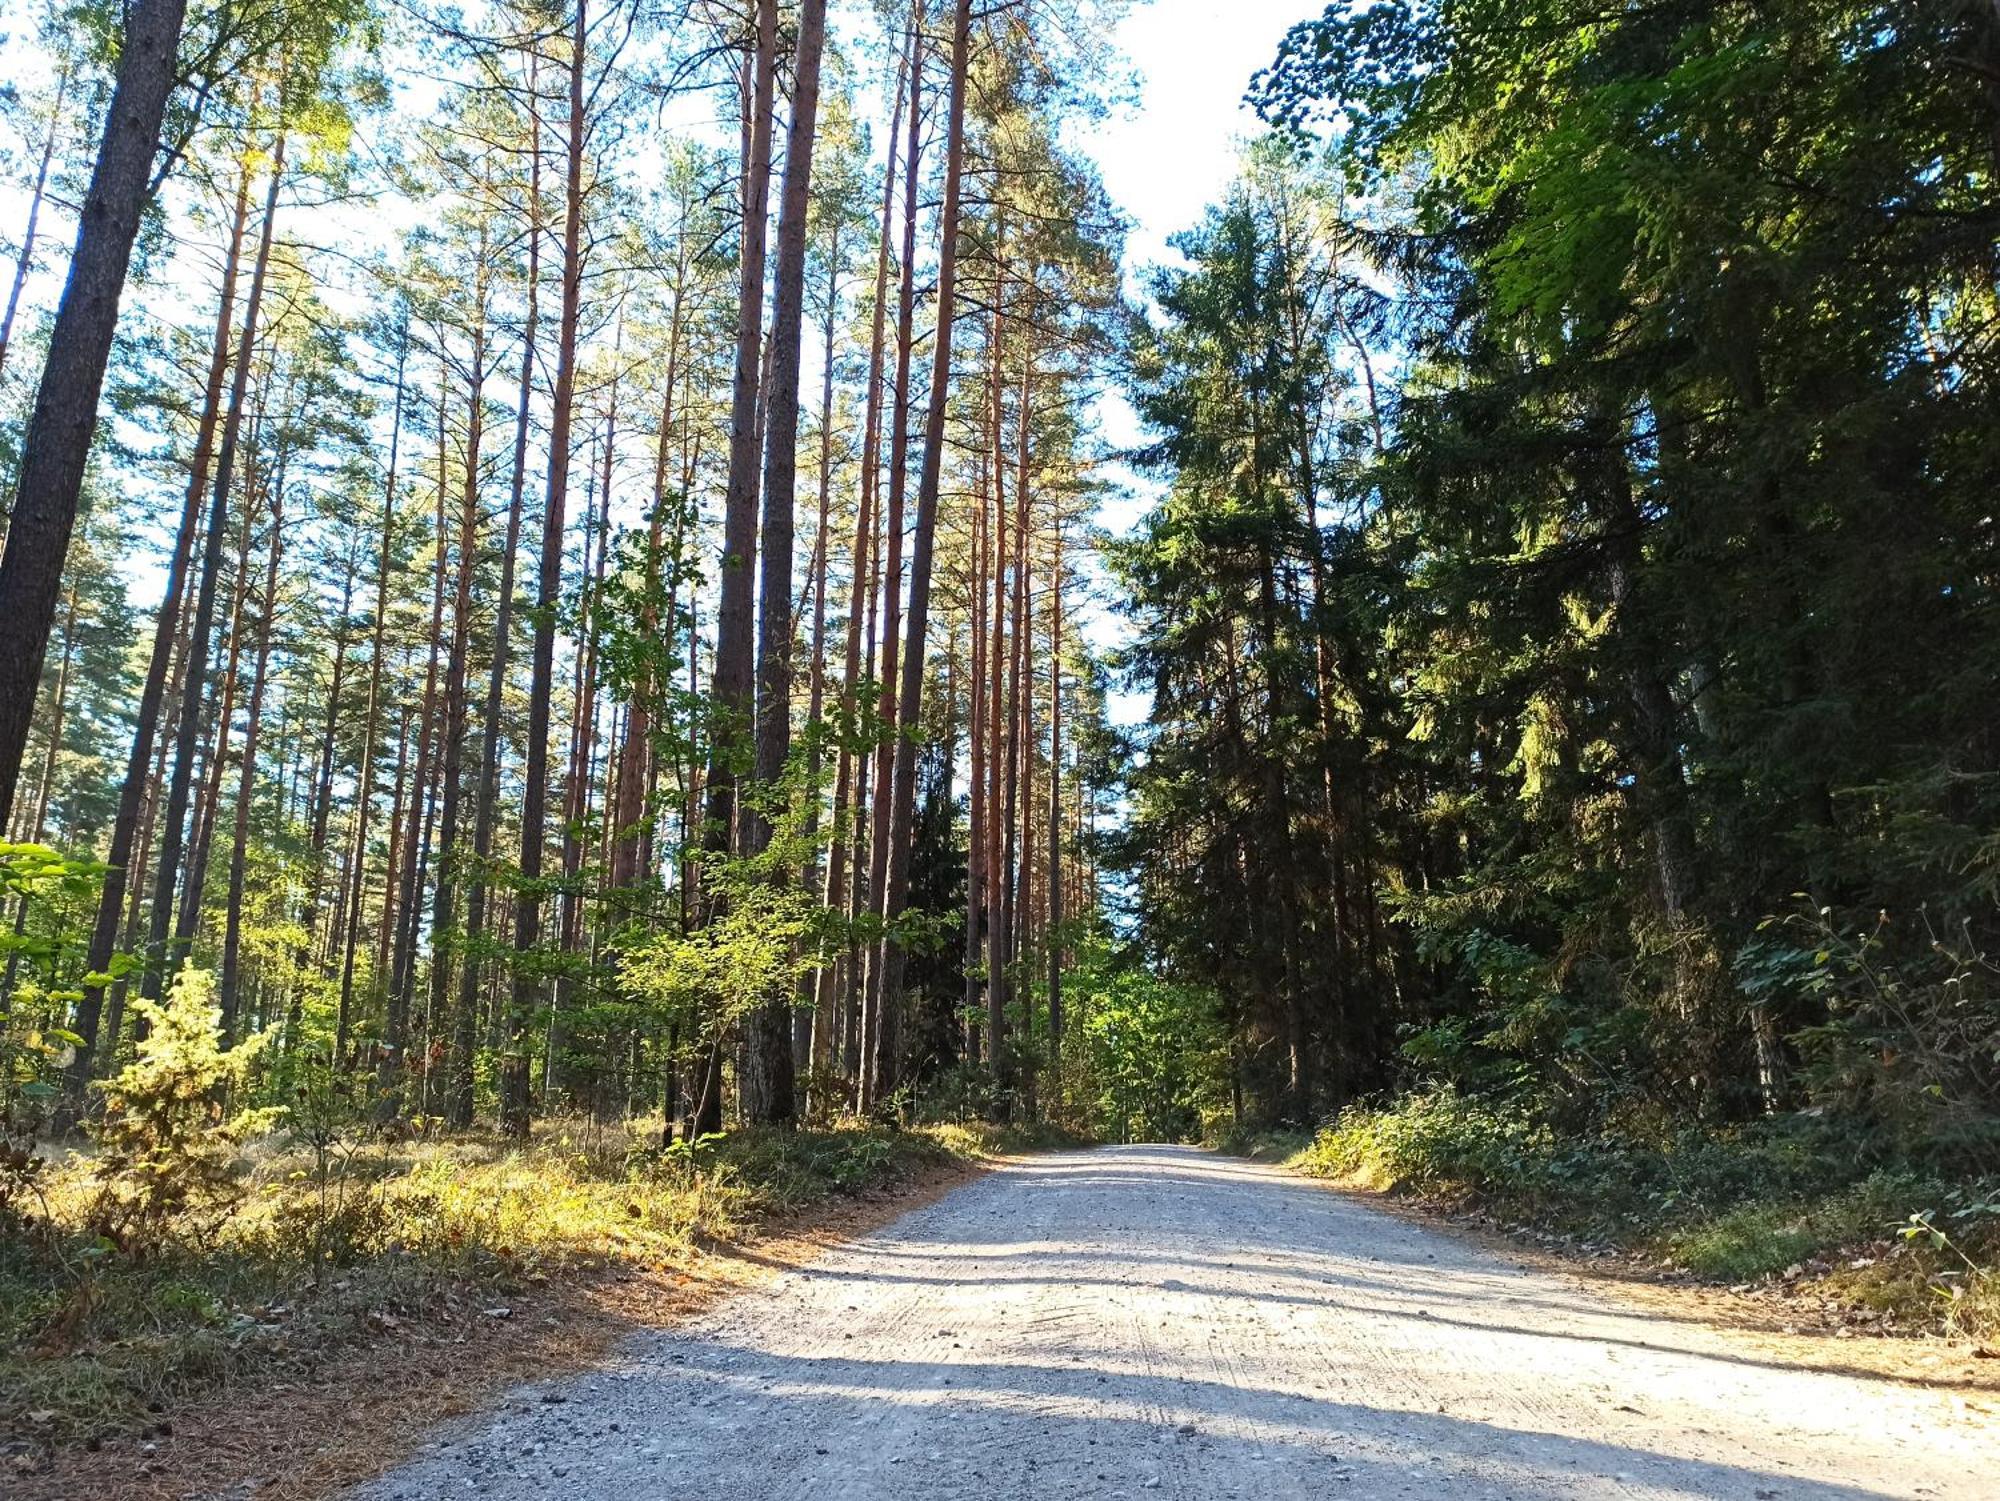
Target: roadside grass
(1799,1202)
(330,1247)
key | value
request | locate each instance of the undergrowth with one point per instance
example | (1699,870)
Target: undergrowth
(331,1241)
(1798,1199)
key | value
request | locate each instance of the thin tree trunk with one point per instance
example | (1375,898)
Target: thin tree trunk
(486,809)
(322,797)
(364,793)
(861,566)
(444,895)
(1054,931)
(393,1064)
(215,750)
(24,263)
(877,1002)
(813,1018)
(895,895)
(194,682)
(548,588)
(730,684)
(246,781)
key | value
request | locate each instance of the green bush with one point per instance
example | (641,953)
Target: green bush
(1731,1205)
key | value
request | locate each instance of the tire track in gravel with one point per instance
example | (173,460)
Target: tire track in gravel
(1140,1321)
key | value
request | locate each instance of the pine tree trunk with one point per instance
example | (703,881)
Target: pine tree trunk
(877,1001)
(846,799)
(194,682)
(215,745)
(322,795)
(902,817)
(548,588)
(246,781)
(770,1086)
(486,809)
(25,262)
(444,895)
(730,684)
(56,445)
(397,1042)
(364,792)
(1053,935)
(813,1023)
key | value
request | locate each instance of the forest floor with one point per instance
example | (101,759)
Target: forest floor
(1132,1320)
(234,1372)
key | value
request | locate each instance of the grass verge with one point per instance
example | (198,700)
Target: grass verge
(1795,1204)
(442,1242)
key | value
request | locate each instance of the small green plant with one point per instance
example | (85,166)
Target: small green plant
(171,1146)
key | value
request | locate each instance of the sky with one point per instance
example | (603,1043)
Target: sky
(1170,155)
(1164,159)
(1173,154)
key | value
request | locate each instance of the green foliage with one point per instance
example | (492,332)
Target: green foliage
(1526,634)
(1149,1053)
(1779,1197)
(169,1138)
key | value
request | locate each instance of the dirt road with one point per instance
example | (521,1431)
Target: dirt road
(1146,1321)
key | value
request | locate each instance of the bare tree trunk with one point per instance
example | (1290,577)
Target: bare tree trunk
(444,895)
(322,797)
(393,1064)
(528,900)
(860,563)
(877,1001)
(813,1019)
(895,895)
(246,781)
(194,682)
(730,685)
(26,260)
(1053,936)
(364,792)
(977,812)
(487,804)
(56,445)
(770,1086)
(215,745)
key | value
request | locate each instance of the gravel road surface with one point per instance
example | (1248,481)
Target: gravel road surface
(1160,1321)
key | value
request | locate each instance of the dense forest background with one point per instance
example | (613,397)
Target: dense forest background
(1569,622)
(570,606)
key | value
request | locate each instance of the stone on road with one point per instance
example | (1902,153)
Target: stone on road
(1162,1321)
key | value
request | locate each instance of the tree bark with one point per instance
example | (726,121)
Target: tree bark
(56,445)
(246,781)
(896,894)
(133,795)
(194,682)
(444,896)
(770,1085)
(730,684)
(847,798)
(486,806)
(528,900)
(25,262)
(877,1001)
(364,793)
